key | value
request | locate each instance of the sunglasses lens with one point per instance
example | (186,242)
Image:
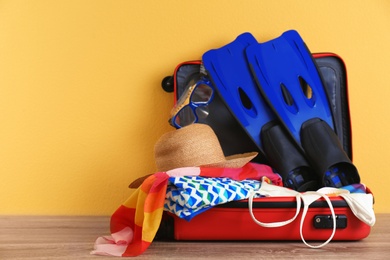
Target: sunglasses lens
(202,112)
(202,94)
(185,117)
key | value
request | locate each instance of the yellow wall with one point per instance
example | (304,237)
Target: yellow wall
(81,104)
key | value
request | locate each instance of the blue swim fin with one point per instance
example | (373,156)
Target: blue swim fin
(288,78)
(228,69)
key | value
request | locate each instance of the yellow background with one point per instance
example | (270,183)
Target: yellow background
(81,104)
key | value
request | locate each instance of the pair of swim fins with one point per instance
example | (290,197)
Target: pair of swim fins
(276,94)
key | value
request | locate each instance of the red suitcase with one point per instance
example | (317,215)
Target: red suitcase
(232,221)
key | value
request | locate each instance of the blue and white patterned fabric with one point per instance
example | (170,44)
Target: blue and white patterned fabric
(188,196)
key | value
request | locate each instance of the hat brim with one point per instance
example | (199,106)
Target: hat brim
(233,161)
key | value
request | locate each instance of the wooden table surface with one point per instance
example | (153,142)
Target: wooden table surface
(53,237)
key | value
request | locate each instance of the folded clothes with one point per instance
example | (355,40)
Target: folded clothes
(193,193)
(188,196)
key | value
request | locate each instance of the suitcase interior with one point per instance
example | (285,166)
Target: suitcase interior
(233,138)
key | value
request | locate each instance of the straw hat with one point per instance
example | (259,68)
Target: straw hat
(195,145)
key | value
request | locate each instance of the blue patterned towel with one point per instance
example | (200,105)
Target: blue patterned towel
(188,196)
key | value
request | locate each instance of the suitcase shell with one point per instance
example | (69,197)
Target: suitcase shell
(232,221)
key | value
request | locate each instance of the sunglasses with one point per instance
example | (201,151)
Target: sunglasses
(193,104)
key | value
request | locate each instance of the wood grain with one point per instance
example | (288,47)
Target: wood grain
(55,237)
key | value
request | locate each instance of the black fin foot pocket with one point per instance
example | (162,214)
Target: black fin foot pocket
(286,159)
(324,151)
